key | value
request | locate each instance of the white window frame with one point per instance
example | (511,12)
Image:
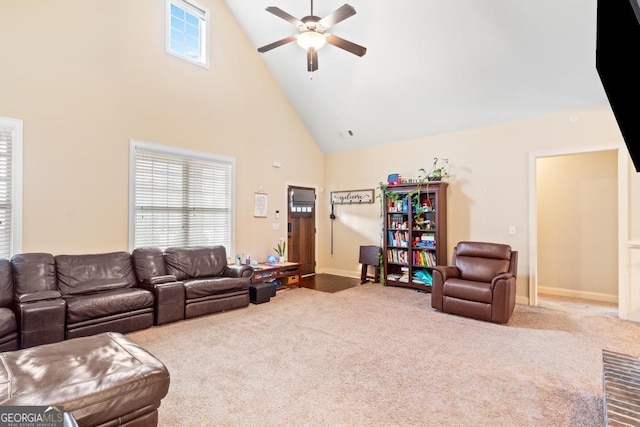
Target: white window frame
(202,13)
(182,153)
(14,126)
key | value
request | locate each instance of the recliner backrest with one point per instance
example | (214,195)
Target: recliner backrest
(481,261)
(34,272)
(196,262)
(148,263)
(79,274)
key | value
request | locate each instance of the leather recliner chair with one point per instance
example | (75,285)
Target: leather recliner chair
(480,283)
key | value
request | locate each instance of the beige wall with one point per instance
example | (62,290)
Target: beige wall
(577,214)
(488,189)
(88,76)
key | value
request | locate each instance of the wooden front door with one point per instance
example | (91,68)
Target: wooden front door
(301,234)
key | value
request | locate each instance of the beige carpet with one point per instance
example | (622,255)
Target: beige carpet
(380,356)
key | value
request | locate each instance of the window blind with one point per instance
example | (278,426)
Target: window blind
(6,142)
(182,200)
(301,197)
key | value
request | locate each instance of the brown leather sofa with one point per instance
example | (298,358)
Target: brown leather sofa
(8,324)
(101,294)
(479,283)
(210,285)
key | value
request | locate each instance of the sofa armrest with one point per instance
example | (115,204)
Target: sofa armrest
(504,297)
(447,272)
(440,274)
(37,296)
(238,271)
(501,276)
(158,280)
(41,318)
(169,299)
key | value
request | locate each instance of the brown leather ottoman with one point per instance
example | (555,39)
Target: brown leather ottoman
(100,379)
(260,292)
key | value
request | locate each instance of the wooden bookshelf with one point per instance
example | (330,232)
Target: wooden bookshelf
(415,232)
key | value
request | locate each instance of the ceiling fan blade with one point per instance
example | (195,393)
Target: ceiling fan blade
(284,15)
(312,60)
(356,49)
(338,15)
(273,45)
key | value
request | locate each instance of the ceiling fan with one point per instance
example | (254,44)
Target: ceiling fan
(311,33)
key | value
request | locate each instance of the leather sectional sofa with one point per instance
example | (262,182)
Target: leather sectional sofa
(100,376)
(46,298)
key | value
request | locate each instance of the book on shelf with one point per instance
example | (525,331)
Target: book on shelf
(397,256)
(398,238)
(424,258)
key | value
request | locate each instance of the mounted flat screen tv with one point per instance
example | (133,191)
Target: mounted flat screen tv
(617,51)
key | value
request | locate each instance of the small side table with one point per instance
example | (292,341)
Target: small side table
(370,255)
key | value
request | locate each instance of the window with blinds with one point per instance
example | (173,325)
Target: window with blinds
(181,198)
(10,186)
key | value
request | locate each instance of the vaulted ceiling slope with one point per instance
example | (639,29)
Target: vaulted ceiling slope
(432,66)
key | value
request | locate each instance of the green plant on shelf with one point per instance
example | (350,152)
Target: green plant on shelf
(280,248)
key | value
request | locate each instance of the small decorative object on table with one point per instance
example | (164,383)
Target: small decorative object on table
(280,248)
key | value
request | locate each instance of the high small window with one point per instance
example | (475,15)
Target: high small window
(10,186)
(187,31)
(180,197)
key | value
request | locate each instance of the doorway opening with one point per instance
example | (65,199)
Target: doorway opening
(301,228)
(578,220)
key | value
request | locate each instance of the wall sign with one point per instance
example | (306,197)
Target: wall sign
(352,197)
(260,205)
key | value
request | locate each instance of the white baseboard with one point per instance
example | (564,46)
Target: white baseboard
(344,273)
(522,300)
(570,293)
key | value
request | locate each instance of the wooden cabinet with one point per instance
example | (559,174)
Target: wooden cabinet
(415,233)
(287,272)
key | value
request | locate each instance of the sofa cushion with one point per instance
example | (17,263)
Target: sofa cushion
(7,321)
(480,261)
(34,272)
(196,262)
(197,288)
(468,290)
(101,304)
(81,274)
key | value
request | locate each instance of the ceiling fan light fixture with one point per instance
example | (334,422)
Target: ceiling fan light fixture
(310,39)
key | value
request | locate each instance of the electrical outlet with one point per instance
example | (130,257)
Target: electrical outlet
(275,226)
(512,230)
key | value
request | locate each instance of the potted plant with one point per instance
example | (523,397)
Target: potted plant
(280,248)
(437,173)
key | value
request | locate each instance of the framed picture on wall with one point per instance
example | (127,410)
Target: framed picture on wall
(260,205)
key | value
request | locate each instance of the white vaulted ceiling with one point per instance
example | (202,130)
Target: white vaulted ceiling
(432,66)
